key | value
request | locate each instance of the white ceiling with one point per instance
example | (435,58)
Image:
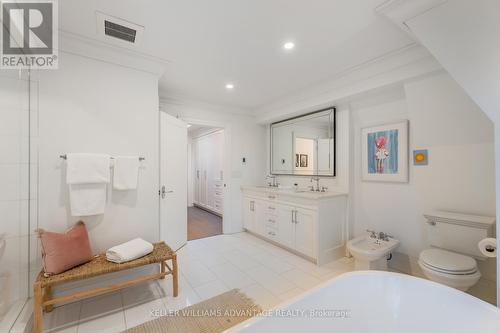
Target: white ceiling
(212,42)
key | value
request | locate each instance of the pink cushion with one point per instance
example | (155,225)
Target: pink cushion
(61,252)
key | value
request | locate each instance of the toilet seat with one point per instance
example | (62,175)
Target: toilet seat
(447,262)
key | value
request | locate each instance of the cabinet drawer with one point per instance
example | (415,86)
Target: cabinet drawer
(218,192)
(271,196)
(271,233)
(271,209)
(272,221)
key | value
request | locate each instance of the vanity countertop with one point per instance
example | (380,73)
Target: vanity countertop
(301,193)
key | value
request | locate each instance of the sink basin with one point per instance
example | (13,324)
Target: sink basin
(371,253)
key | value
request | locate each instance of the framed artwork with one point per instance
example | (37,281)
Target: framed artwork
(385,152)
(297,160)
(421,157)
(303,160)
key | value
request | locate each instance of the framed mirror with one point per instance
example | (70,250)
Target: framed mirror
(304,145)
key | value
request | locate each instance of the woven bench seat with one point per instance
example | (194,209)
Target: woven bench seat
(99,266)
(42,288)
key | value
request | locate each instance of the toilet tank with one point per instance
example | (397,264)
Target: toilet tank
(458,232)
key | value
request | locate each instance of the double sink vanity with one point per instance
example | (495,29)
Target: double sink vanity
(310,224)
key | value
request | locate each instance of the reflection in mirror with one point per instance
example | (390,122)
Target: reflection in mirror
(304,145)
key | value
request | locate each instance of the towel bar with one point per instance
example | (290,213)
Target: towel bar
(65,157)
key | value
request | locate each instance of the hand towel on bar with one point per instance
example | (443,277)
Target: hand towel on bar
(87,199)
(128,251)
(87,176)
(126,172)
(87,168)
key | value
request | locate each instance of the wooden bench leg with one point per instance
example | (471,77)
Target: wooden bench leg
(175,275)
(162,269)
(37,308)
(47,295)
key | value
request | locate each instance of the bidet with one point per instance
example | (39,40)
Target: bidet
(371,252)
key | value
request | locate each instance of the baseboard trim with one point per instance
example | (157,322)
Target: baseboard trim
(208,210)
(283,247)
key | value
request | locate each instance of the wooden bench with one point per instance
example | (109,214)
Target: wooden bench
(42,288)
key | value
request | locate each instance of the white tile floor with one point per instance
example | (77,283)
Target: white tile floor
(208,267)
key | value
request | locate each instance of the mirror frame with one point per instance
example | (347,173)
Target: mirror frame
(334,131)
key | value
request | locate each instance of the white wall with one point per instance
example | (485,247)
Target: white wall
(244,138)
(460,175)
(462,36)
(97,107)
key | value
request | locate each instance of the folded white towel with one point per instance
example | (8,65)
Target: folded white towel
(126,171)
(128,251)
(87,176)
(87,199)
(87,168)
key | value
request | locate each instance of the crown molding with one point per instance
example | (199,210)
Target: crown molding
(400,11)
(178,101)
(392,69)
(98,50)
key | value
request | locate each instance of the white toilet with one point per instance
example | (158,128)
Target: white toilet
(454,238)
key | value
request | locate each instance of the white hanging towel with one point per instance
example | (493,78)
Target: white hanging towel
(128,251)
(87,199)
(126,171)
(87,176)
(87,168)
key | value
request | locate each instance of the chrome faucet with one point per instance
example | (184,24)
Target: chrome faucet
(274,183)
(383,236)
(379,235)
(373,234)
(317,184)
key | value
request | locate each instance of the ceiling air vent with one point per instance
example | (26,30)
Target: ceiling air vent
(118,31)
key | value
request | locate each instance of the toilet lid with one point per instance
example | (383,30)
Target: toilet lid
(448,261)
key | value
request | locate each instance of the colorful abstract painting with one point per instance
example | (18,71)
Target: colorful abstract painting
(383,150)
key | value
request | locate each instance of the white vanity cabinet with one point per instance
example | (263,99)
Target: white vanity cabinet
(309,224)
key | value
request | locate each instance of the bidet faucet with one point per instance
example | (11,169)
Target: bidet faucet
(383,236)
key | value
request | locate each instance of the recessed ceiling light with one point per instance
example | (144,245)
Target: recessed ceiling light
(288,45)
(229,86)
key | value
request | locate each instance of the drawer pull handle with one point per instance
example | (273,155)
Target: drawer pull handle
(272,233)
(272,208)
(271,197)
(272,221)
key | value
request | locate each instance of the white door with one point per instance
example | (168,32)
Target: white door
(305,231)
(173,181)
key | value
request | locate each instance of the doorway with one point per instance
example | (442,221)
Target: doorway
(206,185)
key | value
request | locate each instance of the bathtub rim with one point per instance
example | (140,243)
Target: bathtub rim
(487,306)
